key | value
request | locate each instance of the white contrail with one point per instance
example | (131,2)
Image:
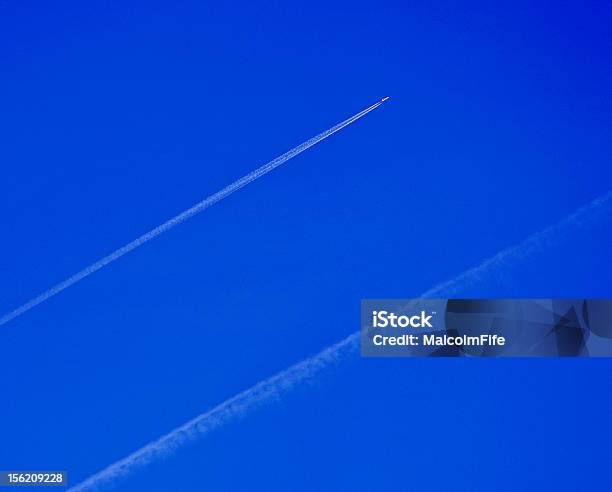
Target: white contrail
(281,382)
(580,218)
(219,415)
(182,217)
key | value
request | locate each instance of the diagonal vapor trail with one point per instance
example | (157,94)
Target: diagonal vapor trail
(183,216)
(274,386)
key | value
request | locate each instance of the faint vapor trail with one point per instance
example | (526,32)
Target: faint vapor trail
(224,412)
(581,217)
(275,386)
(187,214)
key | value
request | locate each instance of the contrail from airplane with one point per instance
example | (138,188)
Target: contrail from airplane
(275,386)
(580,218)
(187,214)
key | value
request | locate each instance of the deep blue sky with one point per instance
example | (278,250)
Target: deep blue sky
(116,117)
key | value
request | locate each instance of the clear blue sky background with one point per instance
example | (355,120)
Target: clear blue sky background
(115,117)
